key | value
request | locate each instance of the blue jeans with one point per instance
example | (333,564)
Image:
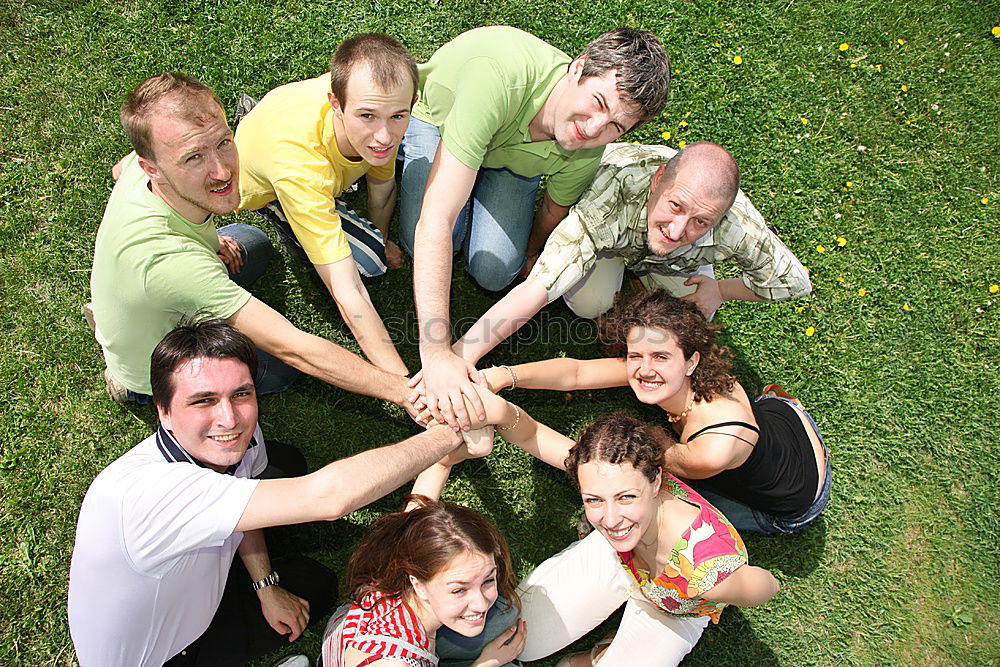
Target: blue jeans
(493,225)
(455,650)
(749,520)
(273,375)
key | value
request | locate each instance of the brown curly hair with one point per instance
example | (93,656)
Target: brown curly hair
(659,310)
(617,439)
(421,543)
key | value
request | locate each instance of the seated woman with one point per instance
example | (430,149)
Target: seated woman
(432,567)
(658,546)
(763,463)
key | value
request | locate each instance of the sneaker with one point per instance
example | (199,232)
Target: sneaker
(243,106)
(116,390)
(292,661)
(88,312)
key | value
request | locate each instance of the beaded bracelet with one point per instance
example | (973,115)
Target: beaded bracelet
(517,420)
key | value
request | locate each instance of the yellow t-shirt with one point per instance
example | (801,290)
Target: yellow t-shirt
(288,151)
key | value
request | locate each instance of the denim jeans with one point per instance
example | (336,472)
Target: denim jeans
(455,650)
(749,520)
(273,375)
(493,225)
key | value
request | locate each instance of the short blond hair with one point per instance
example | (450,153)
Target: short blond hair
(188,93)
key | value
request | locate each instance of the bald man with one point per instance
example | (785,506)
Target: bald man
(668,216)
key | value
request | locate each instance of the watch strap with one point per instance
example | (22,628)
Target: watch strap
(270,580)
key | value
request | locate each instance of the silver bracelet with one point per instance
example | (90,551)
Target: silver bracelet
(513,376)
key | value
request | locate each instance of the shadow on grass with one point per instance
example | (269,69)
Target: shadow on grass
(732,642)
(795,555)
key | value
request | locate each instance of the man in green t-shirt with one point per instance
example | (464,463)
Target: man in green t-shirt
(497,109)
(158,257)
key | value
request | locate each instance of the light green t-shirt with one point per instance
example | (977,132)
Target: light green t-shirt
(151,268)
(483,88)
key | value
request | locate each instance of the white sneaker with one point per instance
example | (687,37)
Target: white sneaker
(293,661)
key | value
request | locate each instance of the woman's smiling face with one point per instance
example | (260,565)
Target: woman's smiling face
(619,501)
(460,594)
(656,365)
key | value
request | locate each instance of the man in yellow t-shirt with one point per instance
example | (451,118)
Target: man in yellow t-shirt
(308,141)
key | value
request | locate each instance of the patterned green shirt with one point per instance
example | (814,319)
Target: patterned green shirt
(610,220)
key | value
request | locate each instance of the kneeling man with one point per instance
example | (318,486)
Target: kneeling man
(153,578)
(305,143)
(668,216)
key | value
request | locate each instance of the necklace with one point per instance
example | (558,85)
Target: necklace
(673,419)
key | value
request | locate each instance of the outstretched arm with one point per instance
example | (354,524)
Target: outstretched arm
(343,282)
(498,323)
(447,377)
(343,486)
(316,356)
(560,374)
(518,428)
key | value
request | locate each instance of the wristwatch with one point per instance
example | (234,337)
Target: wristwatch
(269,580)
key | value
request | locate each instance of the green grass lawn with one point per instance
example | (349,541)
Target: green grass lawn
(867,133)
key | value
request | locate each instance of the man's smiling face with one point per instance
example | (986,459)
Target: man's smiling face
(213,411)
(680,211)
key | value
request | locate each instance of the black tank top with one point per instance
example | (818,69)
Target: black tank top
(780,476)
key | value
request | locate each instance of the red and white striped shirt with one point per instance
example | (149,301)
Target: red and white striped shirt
(383,627)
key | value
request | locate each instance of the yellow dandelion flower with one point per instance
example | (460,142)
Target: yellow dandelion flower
(849,184)
(568,396)
(844,46)
(738,60)
(805,121)
(636,143)
(853,65)
(810,331)
(996,31)
(985,200)
(840,279)
(799,309)
(878,68)
(683,123)
(665,135)
(906,306)
(717,44)
(677,71)
(841,241)
(904,88)
(820,248)
(862,291)
(901,41)
(994,289)
(682,144)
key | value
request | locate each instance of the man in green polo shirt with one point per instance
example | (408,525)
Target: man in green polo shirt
(497,109)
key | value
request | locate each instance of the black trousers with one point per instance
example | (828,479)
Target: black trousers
(239,632)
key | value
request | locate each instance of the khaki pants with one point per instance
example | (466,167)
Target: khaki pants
(595,293)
